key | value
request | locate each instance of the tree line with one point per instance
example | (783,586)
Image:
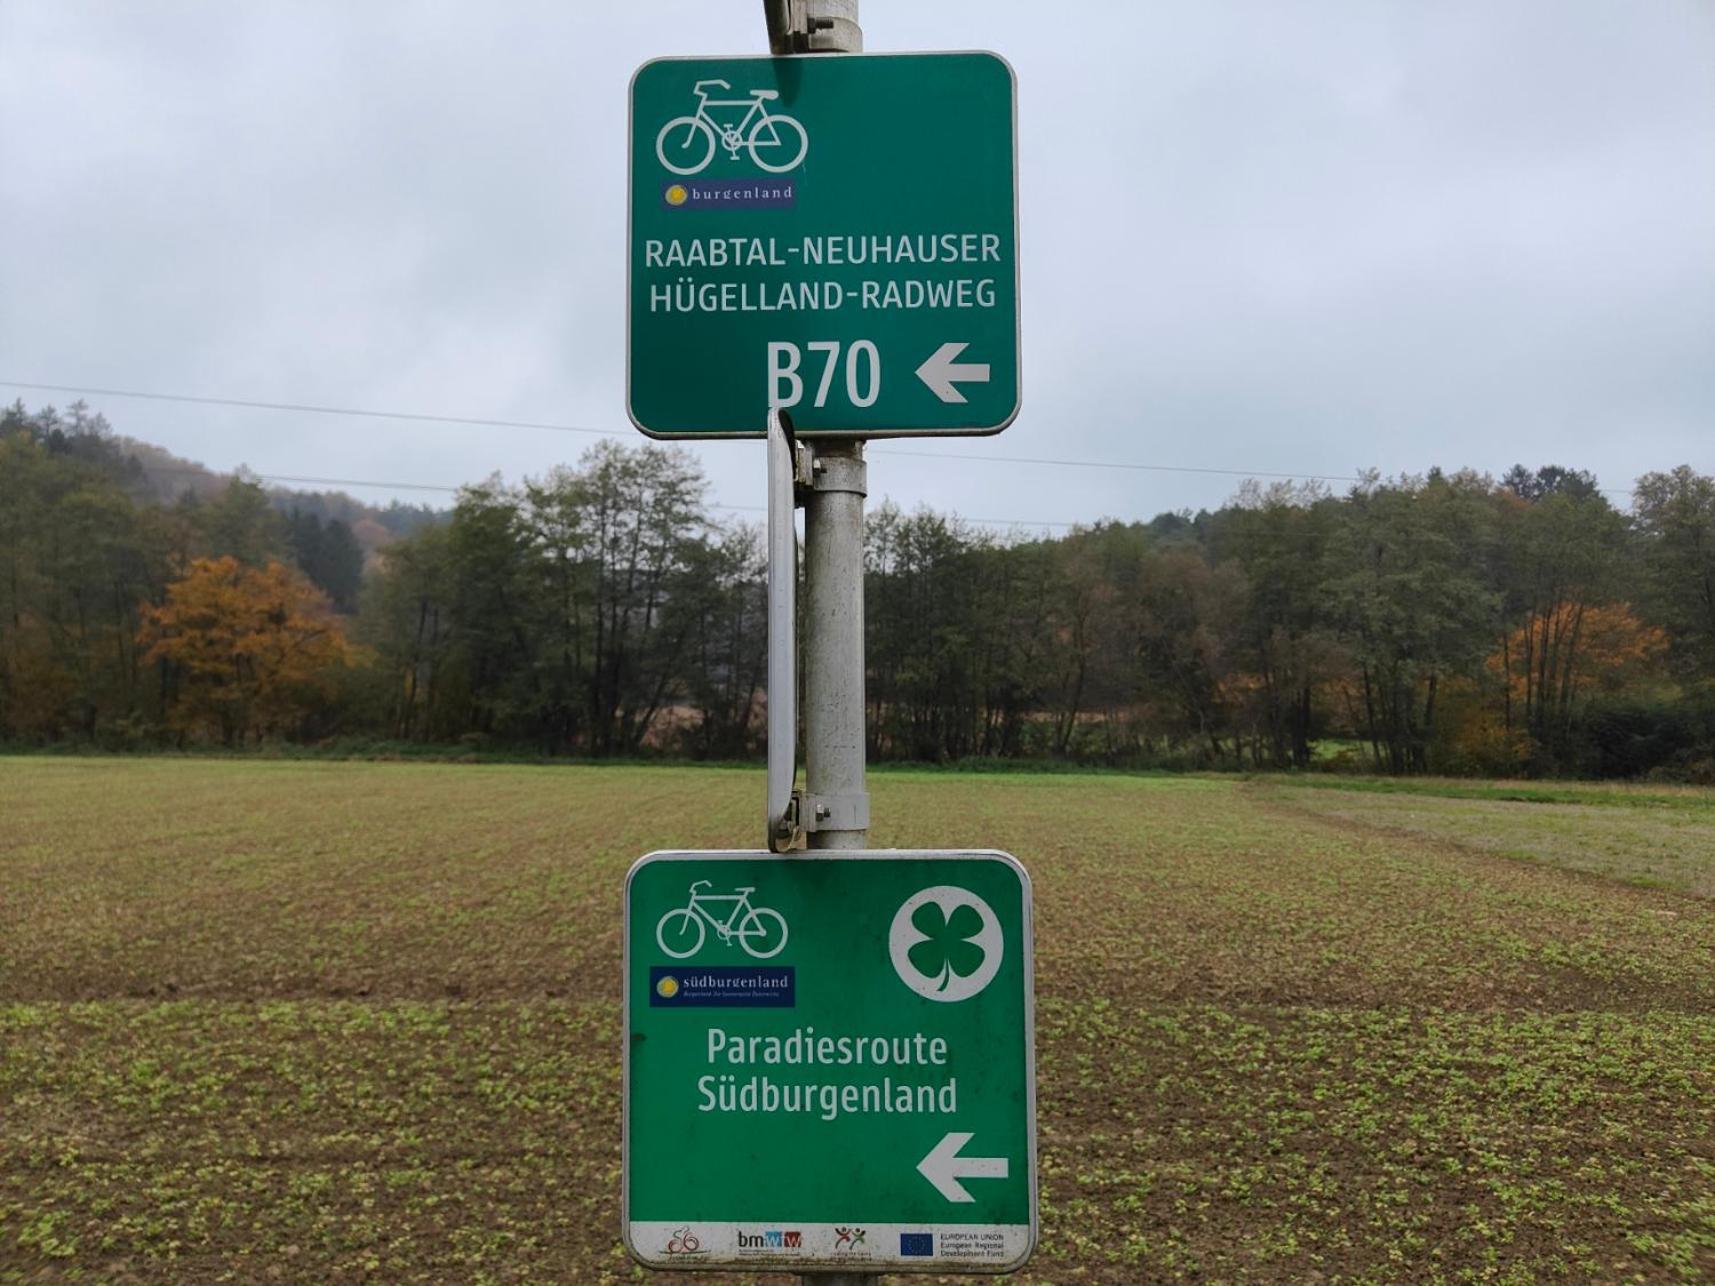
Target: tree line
(1450,622)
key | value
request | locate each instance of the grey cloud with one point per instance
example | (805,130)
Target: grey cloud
(1289,238)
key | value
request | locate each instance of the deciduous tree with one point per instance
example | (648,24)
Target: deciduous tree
(1675,514)
(247,650)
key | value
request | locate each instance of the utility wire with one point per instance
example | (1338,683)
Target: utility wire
(981,458)
(985,457)
(314,410)
(215,476)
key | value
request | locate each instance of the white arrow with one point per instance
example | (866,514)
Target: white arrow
(940,371)
(944,1167)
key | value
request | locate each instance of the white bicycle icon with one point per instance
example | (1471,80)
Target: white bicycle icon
(760,930)
(686,144)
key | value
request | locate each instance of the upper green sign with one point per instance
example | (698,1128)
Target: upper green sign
(833,234)
(828,1061)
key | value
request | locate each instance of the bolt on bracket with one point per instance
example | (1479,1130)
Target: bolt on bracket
(831,812)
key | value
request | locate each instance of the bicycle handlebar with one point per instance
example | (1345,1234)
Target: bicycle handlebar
(699,884)
(697,89)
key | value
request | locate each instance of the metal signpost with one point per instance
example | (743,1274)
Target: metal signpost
(829,1061)
(828,1055)
(836,236)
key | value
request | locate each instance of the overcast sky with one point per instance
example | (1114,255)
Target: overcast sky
(1301,238)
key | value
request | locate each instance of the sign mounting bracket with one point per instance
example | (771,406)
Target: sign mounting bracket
(788,463)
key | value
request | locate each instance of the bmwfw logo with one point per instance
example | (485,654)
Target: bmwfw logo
(772,1239)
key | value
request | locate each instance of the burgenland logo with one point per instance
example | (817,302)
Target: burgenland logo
(730,194)
(667,986)
(770,1239)
(774,142)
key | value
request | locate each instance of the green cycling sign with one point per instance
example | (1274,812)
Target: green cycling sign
(835,236)
(829,1061)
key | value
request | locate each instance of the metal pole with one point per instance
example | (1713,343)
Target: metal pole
(834,741)
(834,709)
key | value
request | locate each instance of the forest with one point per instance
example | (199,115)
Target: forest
(1449,623)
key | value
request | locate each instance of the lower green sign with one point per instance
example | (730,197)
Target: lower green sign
(829,1061)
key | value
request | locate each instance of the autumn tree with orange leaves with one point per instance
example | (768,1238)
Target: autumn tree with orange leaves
(245,651)
(1572,651)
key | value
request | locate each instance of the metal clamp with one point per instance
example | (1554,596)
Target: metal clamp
(787,834)
(843,472)
(793,29)
(831,812)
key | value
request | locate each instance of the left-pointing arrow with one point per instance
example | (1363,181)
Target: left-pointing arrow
(941,372)
(944,1167)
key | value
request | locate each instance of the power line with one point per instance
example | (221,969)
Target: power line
(214,475)
(314,410)
(984,457)
(613,433)
(394,485)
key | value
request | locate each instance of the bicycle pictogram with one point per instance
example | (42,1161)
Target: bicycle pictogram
(776,142)
(760,930)
(683,1242)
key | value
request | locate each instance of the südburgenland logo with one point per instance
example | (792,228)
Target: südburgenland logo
(722,987)
(729,194)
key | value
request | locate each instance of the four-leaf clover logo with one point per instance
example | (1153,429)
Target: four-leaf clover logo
(946,943)
(947,951)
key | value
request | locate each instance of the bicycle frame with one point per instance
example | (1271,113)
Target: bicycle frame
(704,102)
(731,139)
(723,928)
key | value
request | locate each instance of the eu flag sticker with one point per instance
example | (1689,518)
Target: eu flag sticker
(916,1243)
(723,987)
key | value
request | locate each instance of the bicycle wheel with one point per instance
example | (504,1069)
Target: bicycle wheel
(683,937)
(763,932)
(786,139)
(685,144)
